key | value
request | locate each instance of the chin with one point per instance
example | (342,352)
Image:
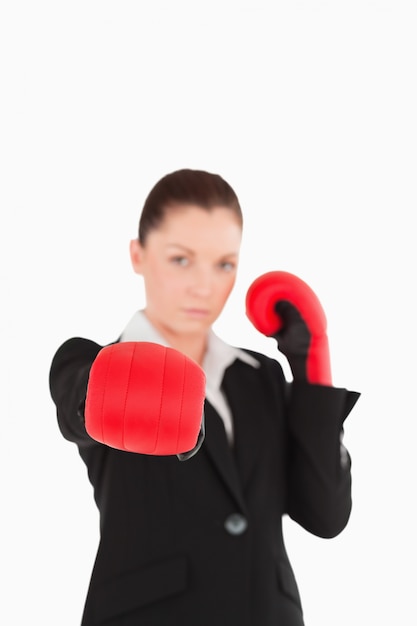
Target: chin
(197,326)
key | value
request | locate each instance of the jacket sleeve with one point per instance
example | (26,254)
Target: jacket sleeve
(68,379)
(319,489)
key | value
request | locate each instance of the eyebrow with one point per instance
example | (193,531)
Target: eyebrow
(179,245)
(191,252)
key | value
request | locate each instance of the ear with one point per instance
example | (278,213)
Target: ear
(136,255)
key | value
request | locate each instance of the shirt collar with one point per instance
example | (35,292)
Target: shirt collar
(218,357)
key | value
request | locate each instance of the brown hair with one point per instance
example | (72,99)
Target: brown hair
(186,186)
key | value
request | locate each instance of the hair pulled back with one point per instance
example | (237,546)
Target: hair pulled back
(186,187)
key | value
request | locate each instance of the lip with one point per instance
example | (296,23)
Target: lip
(194,312)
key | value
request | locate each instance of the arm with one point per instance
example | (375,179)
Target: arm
(133,396)
(282,306)
(319,478)
(68,379)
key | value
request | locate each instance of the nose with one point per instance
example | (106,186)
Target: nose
(202,281)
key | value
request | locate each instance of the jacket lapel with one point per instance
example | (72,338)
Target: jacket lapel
(241,386)
(221,454)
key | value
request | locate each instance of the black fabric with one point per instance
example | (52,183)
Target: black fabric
(166,556)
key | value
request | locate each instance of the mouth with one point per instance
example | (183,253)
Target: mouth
(195,312)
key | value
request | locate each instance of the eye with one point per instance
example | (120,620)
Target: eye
(227,266)
(180,260)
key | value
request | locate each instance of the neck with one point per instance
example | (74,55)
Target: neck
(192,345)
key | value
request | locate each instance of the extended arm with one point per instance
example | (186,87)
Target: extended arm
(133,396)
(68,380)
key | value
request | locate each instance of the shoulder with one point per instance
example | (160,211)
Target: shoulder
(73,354)
(261,366)
(261,359)
(71,362)
(77,347)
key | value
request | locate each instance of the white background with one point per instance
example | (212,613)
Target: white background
(308,108)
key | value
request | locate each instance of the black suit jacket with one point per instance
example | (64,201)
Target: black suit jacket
(199,542)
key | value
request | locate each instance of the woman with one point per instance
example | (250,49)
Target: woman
(200,542)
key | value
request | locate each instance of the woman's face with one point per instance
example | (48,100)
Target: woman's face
(189,267)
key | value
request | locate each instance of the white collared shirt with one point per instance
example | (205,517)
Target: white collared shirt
(218,357)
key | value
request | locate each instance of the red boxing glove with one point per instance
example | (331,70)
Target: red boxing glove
(283,306)
(143,397)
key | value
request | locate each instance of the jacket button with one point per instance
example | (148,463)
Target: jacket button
(236,524)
